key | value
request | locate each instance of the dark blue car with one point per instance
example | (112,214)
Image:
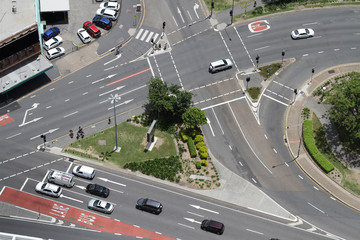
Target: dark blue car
(52,32)
(102,22)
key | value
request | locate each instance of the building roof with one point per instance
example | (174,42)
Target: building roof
(54,6)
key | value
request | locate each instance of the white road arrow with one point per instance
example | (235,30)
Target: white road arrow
(180,15)
(34,120)
(35,105)
(192,220)
(102,79)
(107,180)
(126,102)
(115,89)
(50,131)
(198,207)
(196,6)
(81,187)
(74,199)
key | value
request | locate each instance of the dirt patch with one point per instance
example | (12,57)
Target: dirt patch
(336,175)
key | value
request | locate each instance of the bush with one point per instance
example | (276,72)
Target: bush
(200,144)
(194,133)
(204,155)
(312,149)
(192,148)
(204,163)
(202,149)
(198,165)
(258,10)
(184,136)
(199,138)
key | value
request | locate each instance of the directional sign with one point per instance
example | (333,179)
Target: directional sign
(259,26)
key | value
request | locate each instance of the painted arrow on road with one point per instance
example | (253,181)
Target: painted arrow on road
(35,105)
(200,208)
(74,199)
(126,102)
(102,79)
(50,131)
(115,89)
(192,220)
(196,6)
(81,187)
(107,180)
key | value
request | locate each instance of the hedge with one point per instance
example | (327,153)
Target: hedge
(309,142)
(184,136)
(192,148)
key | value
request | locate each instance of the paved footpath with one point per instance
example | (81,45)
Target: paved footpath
(294,130)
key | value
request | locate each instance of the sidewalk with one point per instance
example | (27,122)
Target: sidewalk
(294,131)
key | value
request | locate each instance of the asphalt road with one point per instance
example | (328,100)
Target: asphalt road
(233,135)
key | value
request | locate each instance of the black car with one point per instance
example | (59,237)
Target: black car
(102,22)
(98,190)
(213,226)
(149,205)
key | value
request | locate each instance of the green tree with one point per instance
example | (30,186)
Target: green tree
(345,98)
(194,117)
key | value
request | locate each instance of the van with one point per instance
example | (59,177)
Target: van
(220,65)
(213,226)
(61,178)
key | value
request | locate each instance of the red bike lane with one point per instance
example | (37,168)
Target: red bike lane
(75,215)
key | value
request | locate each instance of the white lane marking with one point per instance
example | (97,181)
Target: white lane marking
(218,121)
(74,199)
(274,150)
(149,37)
(115,89)
(316,208)
(186,226)
(254,35)
(177,72)
(247,140)
(152,71)
(333,198)
(314,37)
(195,214)
(192,220)
(85,93)
(155,37)
(300,177)
(189,15)
(353,48)
(321,52)
(70,82)
(336,49)
(265,136)
(179,12)
(88,76)
(33,96)
(175,22)
(66,100)
(219,104)
(139,33)
(144,35)
(230,147)
(315,188)
(254,231)
(51,89)
(212,131)
(13,135)
(305,55)
(204,209)
(117,57)
(286,164)
(275,99)
(71,114)
(241,164)
(22,187)
(256,49)
(125,93)
(247,52)
(307,24)
(48,107)
(253,180)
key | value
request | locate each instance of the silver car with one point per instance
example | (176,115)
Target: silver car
(48,189)
(84,172)
(83,35)
(110,5)
(302,33)
(53,42)
(101,206)
(55,52)
(107,13)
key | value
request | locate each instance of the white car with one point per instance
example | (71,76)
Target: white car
(302,33)
(48,189)
(53,42)
(101,206)
(83,35)
(84,171)
(55,52)
(110,5)
(108,13)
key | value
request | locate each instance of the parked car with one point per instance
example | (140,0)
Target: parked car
(108,13)
(213,226)
(91,29)
(50,33)
(220,65)
(53,42)
(110,5)
(83,35)
(55,52)
(102,22)
(149,205)
(98,190)
(302,33)
(48,189)
(84,171)
(101,206)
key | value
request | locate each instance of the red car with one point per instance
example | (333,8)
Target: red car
(91,29)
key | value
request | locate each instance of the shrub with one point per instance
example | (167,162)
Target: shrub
(204,163)
(258,10)
(194,132)
(199,138)
(198,165)
(202,149)
(204,155)
(192,148)
(200,144)
(184,136)
(313,150)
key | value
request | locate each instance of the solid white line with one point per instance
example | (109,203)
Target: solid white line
(254,231)
(316,208)
(256,49)
(274,99)
(253,180)
(69,167)
(152,71)
(265,136)
(71,114)
(186,226)
(117,57)
(189,15)
(22,187)
(247,140)
(254,35)
(139,33)
(13,135)
(175,22)
(218,121)
(233,100)
(115,89)
(286,164)
(313,23)
(300,177)
(230,147)
(274,150)
(240,163)
(195,214)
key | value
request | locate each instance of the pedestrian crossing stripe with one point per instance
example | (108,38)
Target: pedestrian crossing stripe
(142,34)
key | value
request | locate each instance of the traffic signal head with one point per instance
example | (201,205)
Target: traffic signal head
(283,53)
(231,13)
(257,58)
(212,4)
(312,70)
(248,79)
(164,23)
(295,91)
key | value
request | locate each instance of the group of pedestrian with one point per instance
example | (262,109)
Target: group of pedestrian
(79,134)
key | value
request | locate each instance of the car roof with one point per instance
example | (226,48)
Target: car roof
(86,169)
(51,187)
(153,203)
(215,224)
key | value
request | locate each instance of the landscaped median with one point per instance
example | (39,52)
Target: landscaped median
(312,149)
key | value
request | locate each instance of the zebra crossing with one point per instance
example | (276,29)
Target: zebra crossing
(146,35)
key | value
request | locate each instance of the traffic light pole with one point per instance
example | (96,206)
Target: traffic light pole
(232,13)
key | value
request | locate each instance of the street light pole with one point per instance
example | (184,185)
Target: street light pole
(312,74)
(282,56)
(115,99)
(232,13)
(212,6)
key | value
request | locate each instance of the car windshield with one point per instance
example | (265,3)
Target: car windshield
(57,191)
(43,186)
(307,31)
(108,205)
(296,32)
